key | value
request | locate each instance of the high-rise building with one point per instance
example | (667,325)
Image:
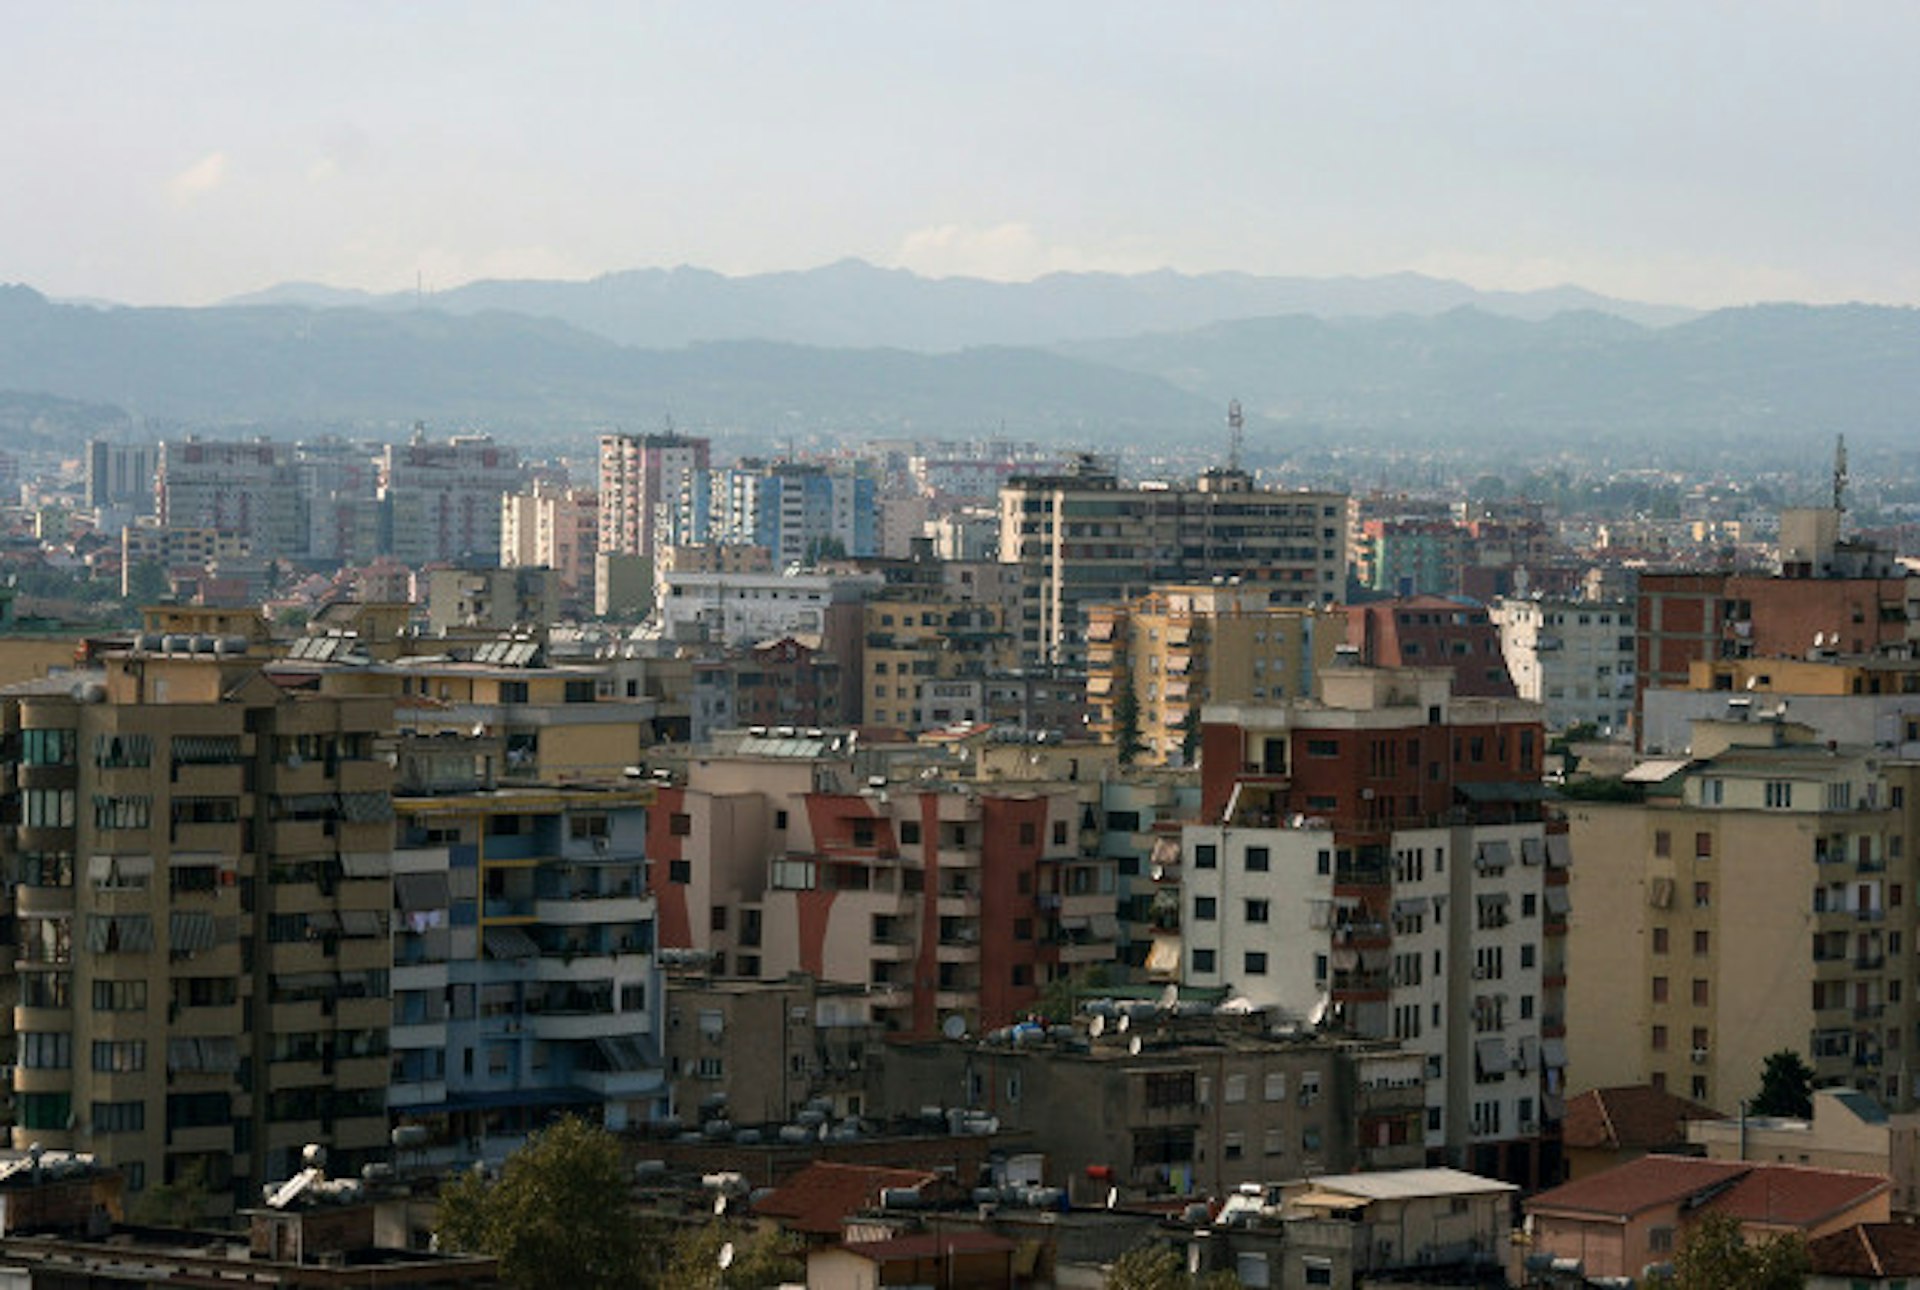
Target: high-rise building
(1757,897)
(1451,632)
(555,527)
(1378,860)
(121,475)
(200,869)
(441,500)
(1572,657)
(248,487)
(800,511)
(1081,539)
(651,491)
(1184,646)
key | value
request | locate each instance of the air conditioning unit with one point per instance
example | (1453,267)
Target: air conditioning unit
(1527,1127)
(1699,1057)
(1479,974)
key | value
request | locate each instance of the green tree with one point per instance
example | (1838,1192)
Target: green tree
(556,1218)
(760,1258)
(1126,721)
(1786,1087)
(1160,1266)
(147,583)
(180,1203)
(1715,1255)
(1059,996)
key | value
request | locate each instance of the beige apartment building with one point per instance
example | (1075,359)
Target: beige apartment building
(1081,539)
(928,658)
(199,867)
(1759,897)
(1182,646)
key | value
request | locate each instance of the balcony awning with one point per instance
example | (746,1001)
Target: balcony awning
(1410,906)
(190,932)
(1105,927)
(365,864)
(119,871)
(1490,1056)
(1493,899)
(1559,851)
(1559,900)
(1530,850)
(1345,960)
(1099,683)
(218,1055)
(1164,956)
(417,892)
(361,922)
(621,1053)
(1553,1052)
(1494,855)
(509,943)
(365,808)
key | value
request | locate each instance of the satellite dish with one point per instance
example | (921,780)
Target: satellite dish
(954,1026)
(1097,1028)
(1133,1046)
(726,1256)
(1126,1023)
(1169,997)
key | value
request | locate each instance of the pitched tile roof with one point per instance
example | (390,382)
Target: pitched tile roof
(1868,1250)
(1633,1117)
(1786,1195)
(819,1198)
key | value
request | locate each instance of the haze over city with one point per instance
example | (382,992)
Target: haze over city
(1699,154)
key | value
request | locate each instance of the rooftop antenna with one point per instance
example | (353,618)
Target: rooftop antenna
(1840,475)
(1236,428)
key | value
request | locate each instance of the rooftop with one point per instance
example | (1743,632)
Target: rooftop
(1633,1117)
(1774,1194)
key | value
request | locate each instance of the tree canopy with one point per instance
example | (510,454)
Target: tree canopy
(1786,1087)
(557,1218)
(1714,1254)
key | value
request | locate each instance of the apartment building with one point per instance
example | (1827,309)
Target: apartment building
(199,862)
(800,511)
(792,681)
(1757,897)
(1451,632)
(524,979)
(1080,539)
(121,475)
(927,658)
(1850,700)
(493,599)
(441,499)
(1572,657)
(650,494)
(1379,859)
(555,527)
(250,488)
(170,547)
(1184,646)
(1211,1103)
(784,853)
(743,608)
(760,1052)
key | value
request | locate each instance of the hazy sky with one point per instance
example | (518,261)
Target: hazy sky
(1696,152)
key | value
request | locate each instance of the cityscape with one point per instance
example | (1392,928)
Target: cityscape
(1075,646)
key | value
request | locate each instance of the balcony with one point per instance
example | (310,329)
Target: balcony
(429,1034)
(44,901)
(552,1027)
(587,909)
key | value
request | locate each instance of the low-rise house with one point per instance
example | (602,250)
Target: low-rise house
(1621,1222)
(1868,1256)
(956,1260)
(1610,1126)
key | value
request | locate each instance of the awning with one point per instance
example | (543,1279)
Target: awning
(1553,1052)
(364,864)
(365,808)
(421,891)
(1164,956)
(1529,1053)
(1493,855)
(1327,1200)
(217,1055)
(130,933)
(1559,851)
(189,932)
(1530,850)
(361,922)
(621,1053)
(1493,899)
(1656,771)
(1345,960)
(1074,922)
(509,943)
(1099,683)
(1490,1056)
(119,871)
(323,922)
(1105,927)
(1660,893)
(1559,900)
(1375,960)
(1410,907)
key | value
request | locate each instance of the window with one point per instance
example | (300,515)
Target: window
(119,1117)
(909,830)
(1659,1039)
(1258,910)
(1205,855)
(1700,992)
(680,824)
(1662,842)
(52,1051)
(1274,1088)
(1779,794)
(1702,895)
(1700,942)
(1256,963)
(1205,909)
(680,871)
(48,808)
(1702,845)
(1659,940)
(1323,748)
(119,1056)
(119,996)
(1659,989)
(1257,859)
(1203,961)
(1235,1089)
(47,747)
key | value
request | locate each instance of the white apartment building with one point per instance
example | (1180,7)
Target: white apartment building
(1573,657)
(742,608)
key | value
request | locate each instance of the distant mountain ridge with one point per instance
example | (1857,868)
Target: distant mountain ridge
(1734,381)
(853,304)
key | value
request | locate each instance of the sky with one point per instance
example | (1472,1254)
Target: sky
(1681,151)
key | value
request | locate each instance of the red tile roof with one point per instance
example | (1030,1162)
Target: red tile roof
(1785,1195)
(1868,1250)
(819,1198)
(1636,1117)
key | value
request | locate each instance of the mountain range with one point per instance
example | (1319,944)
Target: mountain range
(1156,366)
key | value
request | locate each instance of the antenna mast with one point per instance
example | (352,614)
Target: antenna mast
(1840,475)
(1236,427)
